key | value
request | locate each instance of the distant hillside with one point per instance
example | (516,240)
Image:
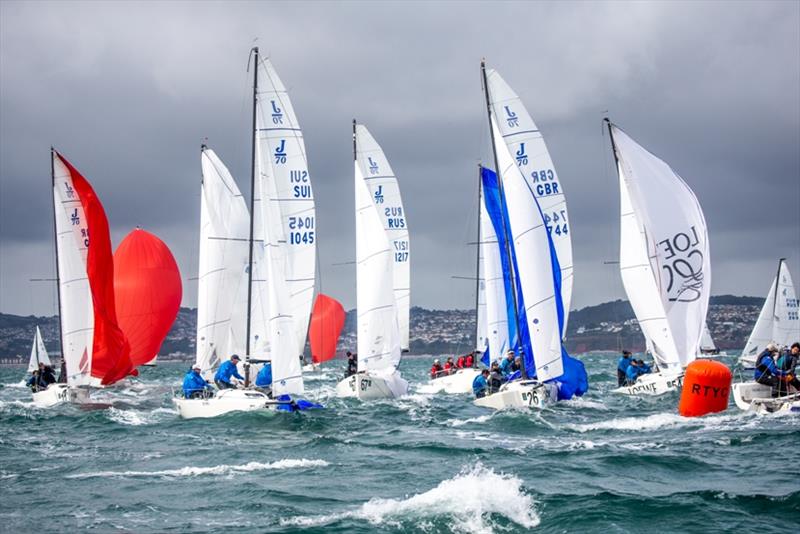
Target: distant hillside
(607,326)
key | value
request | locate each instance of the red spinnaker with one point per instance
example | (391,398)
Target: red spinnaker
(327,321)
(148,289)
(111,360)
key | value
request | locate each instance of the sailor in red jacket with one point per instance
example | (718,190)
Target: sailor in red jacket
(436,369)
(450,366)
(469,360)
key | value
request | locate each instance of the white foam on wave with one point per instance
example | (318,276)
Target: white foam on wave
(465,499)
(20,384)
(462,422)
(137,418)
(191,471)
(651,422)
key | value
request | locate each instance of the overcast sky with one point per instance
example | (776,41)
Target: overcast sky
(128,91)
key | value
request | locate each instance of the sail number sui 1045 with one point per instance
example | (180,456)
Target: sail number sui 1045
(302,230)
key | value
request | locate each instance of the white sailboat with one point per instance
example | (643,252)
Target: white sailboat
(708,348)
(38,352)
(534,231)
(664,261)
(778,323)
(382,248)
(257,269)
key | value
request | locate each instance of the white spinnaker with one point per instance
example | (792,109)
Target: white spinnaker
(385,191)
(496,316)
(778,321)
(525,142)
(641,285)
(38,352)
(378,332)
(282,347)
(284,166)
(706,341)
(677,240)
(77,312)
(532,248)
(224,235)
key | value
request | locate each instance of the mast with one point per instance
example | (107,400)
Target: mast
(58,274)
(254,51)
(775,296)
(502,214)
(478,260)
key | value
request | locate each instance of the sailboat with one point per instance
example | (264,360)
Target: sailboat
(664,261)
(257,268)
(38,352)
(525,203)
(382,279)
(95,349)
(707,346)
(779,323)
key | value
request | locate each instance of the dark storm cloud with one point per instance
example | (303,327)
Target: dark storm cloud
(128,92)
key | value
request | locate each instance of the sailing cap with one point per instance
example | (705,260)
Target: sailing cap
(235,357)
(772,347)
(436,360)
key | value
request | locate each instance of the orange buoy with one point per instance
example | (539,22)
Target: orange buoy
(706,387)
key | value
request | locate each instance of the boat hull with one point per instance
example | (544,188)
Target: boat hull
(225,401)
(459,382)
(521,394)
(368,386)
(654,384)
(59,393)
(755,397)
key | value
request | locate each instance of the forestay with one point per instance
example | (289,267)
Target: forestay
(778,321)
(385,192)
(378,332)
(222,279)
(664,253)
(523,139)
(38,352)
(282,171)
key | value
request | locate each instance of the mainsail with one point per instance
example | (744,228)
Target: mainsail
(287,197)
(38,352)
(385,192)
(706,341)
(224,221)
(522,138)
(379,339)
(95,348)
(288,218)
(664,253)
(779,320)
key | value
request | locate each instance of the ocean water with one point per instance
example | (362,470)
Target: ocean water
(423,463)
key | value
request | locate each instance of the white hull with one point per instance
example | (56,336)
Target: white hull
(748,362)
(520,394)
(311,368)
(366,386)
(755,397)
(57,394)
(459,382)
(654,384)
(225,401)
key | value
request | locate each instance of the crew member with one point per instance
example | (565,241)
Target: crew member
(449,366)
(787,363)
(436,369)
(469,360)
(62,374)
(460,362)
(622,367)
(195,386)
(226,371)
(496,378)
(352,364)
(632,373)
(505,366)
(35,381)
(264,379)
(481,384)
(46,374)
(766,372)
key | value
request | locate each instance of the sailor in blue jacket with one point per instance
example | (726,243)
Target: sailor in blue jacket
(622,367)
(480,384)
(225,372)
(264,378)
(632,373)
(507,364)
(194,385)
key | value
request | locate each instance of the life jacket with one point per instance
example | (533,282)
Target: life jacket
(435,370)
(460,362)
(762,364)
(448,366)
(468,361)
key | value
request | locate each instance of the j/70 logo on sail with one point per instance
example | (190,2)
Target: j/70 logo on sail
(511,118)
(682,260)
(277,113)
(373,166)
(522,157)
(379,195)
(280,153)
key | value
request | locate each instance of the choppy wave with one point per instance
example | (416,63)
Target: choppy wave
(463,501)
(217,470)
